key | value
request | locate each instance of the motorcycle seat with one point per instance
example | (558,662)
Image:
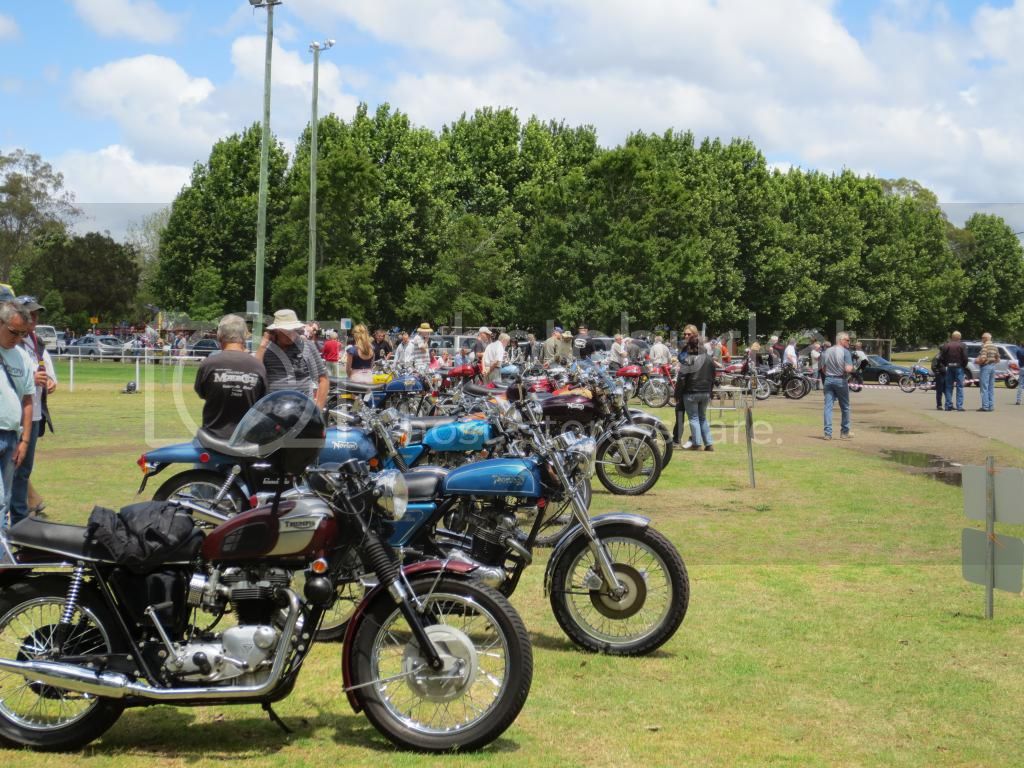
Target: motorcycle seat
(423,423)
(478,390)
(423,482)
(356,388)
(211,442)
(69,540)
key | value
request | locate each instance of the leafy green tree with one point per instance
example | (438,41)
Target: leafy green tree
(32,203)
(993,263)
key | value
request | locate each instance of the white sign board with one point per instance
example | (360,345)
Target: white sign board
(1009,487)
(1009,554)
(345,324)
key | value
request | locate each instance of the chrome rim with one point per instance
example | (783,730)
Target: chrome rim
(629,462)
(26,634)
(203,493)
(476,669)
(639,612)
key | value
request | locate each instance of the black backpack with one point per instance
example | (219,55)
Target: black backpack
(143,536)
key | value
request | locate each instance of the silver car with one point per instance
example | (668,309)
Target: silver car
(1006,369)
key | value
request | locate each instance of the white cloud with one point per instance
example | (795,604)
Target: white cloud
(8,28)
(113,189)
(164,113)
(453,30)
(141,20)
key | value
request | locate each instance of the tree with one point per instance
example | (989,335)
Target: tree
(32,202)
(993,263)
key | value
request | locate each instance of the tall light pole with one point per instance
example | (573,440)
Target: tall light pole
(261,215)
(311,281)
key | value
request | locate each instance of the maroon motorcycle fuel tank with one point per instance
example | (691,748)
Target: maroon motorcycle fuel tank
(565,408)
(299,528)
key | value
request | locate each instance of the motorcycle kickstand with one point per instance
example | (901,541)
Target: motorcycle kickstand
(275,719)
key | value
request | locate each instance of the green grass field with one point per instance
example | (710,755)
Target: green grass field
(828,623)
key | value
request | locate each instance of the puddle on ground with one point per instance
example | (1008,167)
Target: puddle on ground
(926,465)
(890,429)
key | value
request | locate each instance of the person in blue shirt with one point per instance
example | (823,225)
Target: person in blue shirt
(17,386)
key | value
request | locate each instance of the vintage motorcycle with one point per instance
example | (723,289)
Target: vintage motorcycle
(436,660)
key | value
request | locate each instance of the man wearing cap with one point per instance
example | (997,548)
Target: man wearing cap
(16,388)
(45,381)
(483,340)
(583,345)
(418,353)
(291,360)
(552,346)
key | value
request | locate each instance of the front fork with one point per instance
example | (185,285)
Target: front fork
(597,547)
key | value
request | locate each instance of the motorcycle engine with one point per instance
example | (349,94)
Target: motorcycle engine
(242,652)
(492,526)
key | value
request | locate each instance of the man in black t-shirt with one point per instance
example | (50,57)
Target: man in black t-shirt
(381,346)
(583,345)
(229,381)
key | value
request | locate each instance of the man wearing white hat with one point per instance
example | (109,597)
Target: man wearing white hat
(292,361)
(419,346)
(483,339)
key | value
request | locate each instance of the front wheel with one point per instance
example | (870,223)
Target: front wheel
(628,466)
(40,716)
(796,387)
(655,393)
(488,667)
(201,486)
(907,383)
(650,609)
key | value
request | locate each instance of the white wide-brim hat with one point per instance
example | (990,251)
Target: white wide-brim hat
(286,320)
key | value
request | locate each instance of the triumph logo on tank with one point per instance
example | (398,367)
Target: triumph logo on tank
(233,377)
(508,481)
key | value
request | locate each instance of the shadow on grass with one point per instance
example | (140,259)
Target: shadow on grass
(564,644)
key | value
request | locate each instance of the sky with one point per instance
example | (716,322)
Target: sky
(124,96)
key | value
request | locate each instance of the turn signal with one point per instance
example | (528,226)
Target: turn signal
(318,566)
(204,457)
(143,464)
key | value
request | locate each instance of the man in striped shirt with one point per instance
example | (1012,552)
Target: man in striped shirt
(987,359)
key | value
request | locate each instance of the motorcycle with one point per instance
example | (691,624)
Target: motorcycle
(435,659)
(920,377)
(652,384)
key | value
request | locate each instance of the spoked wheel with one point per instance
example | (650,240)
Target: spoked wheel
(651,608)
(762,388)
(796,387)
(628,466)
(201,487)
(37,715)
(907,383)
(488,667)
(656,392)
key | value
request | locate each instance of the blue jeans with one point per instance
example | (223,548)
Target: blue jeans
(8,445)
(987,377)
(836,388)
(955,375)
(19,488)
(697,412)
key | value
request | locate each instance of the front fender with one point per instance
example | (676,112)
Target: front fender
(380,592)
(601,521)
(624,429)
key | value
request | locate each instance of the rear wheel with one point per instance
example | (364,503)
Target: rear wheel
(488,667)
(628,466)
(201,487)
(656,392)
(796,387)
(41,716)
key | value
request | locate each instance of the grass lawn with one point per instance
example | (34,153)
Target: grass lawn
(828,622)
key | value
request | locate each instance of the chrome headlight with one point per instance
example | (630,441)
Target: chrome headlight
(392,493)
(584,451)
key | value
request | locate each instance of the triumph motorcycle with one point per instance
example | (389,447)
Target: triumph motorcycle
(435,659)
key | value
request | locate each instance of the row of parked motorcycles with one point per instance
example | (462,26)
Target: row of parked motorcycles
(401,535)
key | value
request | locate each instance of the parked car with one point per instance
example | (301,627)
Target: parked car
(881,370)
(96,346)
(1006,369)
(48,335)
(62,342)
(204,348)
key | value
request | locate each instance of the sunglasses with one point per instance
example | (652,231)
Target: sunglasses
(19,334)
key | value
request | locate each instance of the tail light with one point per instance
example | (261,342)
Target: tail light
(143,464)
(1015,367)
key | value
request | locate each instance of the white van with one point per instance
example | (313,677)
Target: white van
(48,335)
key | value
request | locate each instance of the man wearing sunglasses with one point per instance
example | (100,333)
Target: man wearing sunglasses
(16,389)
(291,360)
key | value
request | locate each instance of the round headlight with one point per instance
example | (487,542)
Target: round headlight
(392,493)
(584,450)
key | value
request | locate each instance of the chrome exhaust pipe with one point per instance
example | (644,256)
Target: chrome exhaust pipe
(113,685)
(489,575)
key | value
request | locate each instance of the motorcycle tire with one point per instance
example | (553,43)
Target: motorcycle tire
(650,612)
(1011,382)
(907,383)
(762,388)
(661,434)
(796,388)
(200,486)
(40,716)
(655,393)
(628,466)
(488,662)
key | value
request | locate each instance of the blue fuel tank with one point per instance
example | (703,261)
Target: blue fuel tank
(495,477)
(344,443)
(463,435)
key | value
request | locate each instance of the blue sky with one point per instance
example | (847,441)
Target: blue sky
(123,96)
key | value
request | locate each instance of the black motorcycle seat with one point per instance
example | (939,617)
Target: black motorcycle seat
(478,390)
(423,423)
(211,442)
(355,387)
(424,482)
(69,540)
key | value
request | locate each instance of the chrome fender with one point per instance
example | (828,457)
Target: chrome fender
(601,521)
